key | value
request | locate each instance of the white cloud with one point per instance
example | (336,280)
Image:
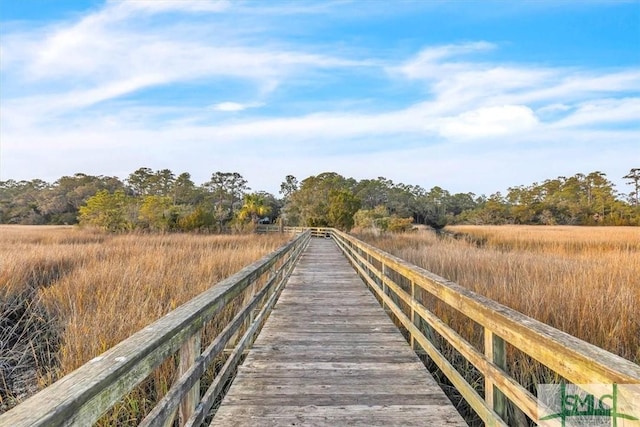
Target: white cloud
(461,85)
(490,121)
(235,106)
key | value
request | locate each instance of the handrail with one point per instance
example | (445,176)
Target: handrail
(573,359)
(83,396)
(315,231)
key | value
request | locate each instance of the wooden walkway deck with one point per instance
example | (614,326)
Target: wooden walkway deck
(329,355)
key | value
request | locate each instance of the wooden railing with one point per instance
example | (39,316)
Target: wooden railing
(315,231)
(400,286)
(84,395)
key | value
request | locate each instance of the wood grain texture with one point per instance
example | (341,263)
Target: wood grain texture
(329,355)
(188,353)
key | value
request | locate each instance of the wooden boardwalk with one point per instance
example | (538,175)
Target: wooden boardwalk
(329,355)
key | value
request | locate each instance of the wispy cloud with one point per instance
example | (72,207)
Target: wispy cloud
(162,6)
(428,64)
(114,51)
(596,113)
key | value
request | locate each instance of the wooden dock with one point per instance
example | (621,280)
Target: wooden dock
(329,355)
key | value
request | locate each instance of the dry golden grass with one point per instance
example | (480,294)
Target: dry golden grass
(582,280)
(558,240)
(99,288)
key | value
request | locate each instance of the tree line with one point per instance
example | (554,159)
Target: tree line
(161,201)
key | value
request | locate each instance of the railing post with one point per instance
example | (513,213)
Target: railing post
(495,350)
(413,313)
(275,275)
(362,264)
(384,285)
(188,354)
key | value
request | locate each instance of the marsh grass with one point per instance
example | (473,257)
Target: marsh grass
(582,280)
(68,295)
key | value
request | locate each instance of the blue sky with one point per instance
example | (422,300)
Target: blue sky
(468,95)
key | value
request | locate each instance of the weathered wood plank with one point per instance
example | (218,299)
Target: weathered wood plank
(302,368)
(329,416)
(360,390)
(318,346)
(188,354)
(334,357)
(335,378)
(329,355)
(335,398)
